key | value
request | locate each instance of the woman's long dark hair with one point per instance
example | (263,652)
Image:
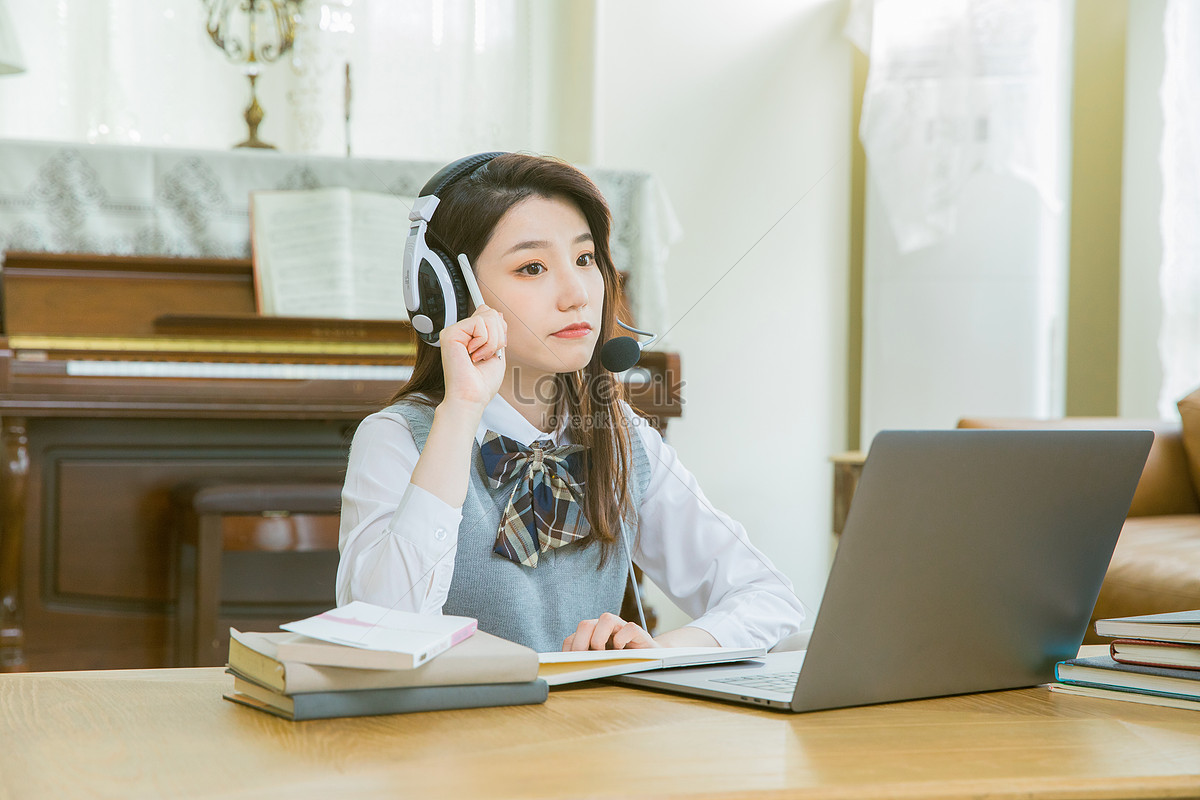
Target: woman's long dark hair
(466,216)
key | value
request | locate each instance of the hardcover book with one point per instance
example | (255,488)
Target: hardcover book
(482,658)
(1178,655)
(1128,697)
(367,636)
(1176,626)
(1104,673)
(371,702)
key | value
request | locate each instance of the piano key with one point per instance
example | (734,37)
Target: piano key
(238,370)
(267,371)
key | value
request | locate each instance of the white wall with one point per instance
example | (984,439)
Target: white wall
(745,118)
(1140,372)
(971,326)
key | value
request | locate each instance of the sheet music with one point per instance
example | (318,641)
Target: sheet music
(302,252)
(332,252)
(379,225)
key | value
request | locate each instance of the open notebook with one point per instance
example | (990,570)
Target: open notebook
(585,665)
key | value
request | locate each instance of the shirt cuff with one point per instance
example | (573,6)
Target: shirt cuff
(422,518)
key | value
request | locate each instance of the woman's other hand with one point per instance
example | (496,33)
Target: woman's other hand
(473,357)
(609,632)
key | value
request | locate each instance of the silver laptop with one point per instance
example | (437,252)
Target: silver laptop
(970,561)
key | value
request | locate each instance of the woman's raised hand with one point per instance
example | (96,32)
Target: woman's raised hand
(609,632)
(473,357)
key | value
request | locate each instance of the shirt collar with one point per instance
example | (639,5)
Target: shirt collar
(501,417)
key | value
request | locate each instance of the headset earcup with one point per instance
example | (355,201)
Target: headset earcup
(432,307)
(462,295)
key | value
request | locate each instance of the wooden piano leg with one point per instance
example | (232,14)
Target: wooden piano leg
(209,545)
(12,529)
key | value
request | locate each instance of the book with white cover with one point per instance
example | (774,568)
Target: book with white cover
(1168,701)
(1173,626)
(585,665)
(481,658)
(374,637)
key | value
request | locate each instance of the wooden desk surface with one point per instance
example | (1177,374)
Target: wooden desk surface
(168,733)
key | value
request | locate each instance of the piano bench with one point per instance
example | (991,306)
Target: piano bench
(278,530)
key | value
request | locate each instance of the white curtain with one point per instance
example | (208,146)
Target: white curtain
(121,72)
(431,78)
(956,88)
(442,78)
(1179,339)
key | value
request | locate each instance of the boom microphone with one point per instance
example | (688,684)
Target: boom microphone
(623,352)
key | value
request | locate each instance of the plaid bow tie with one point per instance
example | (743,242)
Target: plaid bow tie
(547,499)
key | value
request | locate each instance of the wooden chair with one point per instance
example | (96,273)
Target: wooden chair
(266,519)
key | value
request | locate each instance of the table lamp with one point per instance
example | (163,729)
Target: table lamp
(253,33)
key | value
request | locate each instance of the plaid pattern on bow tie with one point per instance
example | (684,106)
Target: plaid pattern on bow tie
(545,509)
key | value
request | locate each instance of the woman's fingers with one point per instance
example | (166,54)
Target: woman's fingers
(476,329)
(582,636)
(488,333)
(632,635)
(496,336)
(606,626)
(609,632)
(471,369)
(625,635)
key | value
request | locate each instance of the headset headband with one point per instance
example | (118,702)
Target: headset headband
(454,171)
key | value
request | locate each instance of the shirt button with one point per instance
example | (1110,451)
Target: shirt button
(440,534)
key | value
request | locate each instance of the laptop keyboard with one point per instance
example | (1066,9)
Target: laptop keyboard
(782,682)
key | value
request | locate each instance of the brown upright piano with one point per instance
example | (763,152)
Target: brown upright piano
(122,378)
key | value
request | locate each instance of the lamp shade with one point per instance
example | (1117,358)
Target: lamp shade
(11,60)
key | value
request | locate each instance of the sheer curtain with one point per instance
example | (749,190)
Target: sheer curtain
(122,72)
(443,78)
(1179,338)
(431,78)
(956,89)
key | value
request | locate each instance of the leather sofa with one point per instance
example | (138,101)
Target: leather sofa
(1156,565)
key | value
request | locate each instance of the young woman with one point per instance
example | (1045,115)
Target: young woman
(508,480)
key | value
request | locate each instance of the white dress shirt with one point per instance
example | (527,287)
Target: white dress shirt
(398,541)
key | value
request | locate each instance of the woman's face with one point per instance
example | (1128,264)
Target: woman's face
(539,271)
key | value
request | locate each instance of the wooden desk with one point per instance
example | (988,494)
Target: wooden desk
(168,733)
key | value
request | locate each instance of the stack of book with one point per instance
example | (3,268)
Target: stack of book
(1153,659)
(361,660)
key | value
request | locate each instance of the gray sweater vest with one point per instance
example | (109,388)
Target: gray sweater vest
(539,606)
